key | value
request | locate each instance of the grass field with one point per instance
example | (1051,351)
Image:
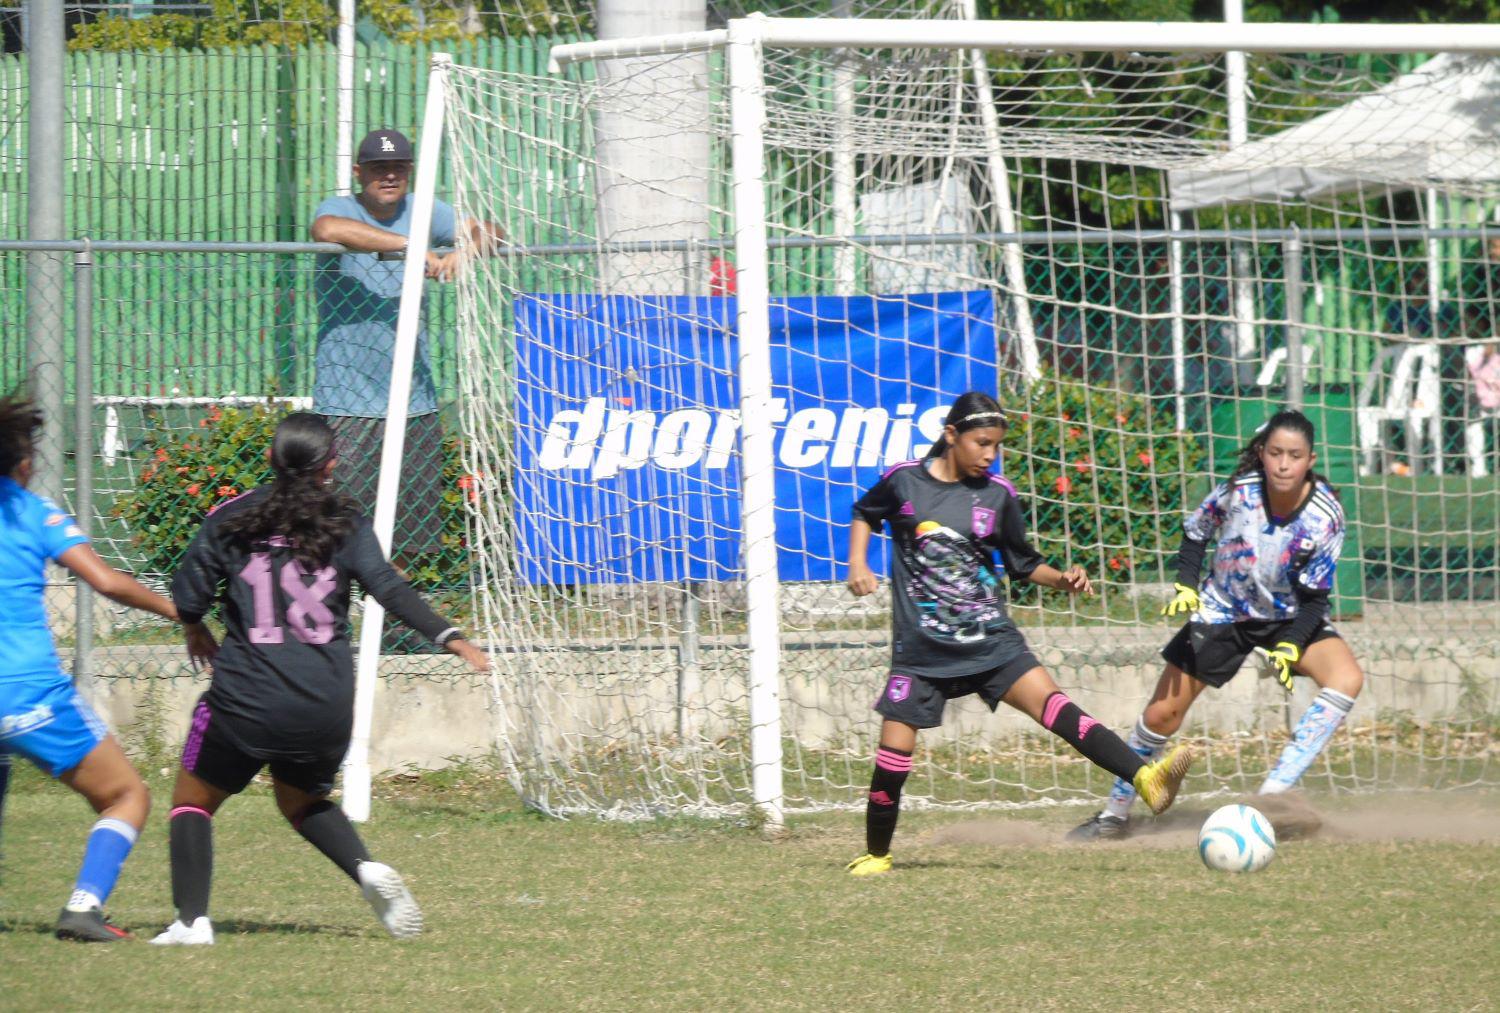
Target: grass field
(983,912)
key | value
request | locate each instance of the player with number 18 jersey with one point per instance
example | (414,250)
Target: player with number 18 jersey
(282,561)
(283,680)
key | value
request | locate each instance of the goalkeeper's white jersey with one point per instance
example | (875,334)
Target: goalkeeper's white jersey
(1254,558)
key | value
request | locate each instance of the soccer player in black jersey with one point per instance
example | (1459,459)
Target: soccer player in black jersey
(951,634)
(281,559)
(1275,529)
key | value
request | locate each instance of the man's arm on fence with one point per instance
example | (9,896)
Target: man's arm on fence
(356,235)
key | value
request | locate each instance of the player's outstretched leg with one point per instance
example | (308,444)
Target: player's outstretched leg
(110,784)
(191,838)
(1035,693)
(324,825)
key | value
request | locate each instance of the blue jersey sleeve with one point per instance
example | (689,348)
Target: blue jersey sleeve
(57,531)
(1203,524)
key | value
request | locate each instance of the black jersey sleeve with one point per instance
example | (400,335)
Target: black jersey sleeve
(878,503)
(1190,562)
(195,585)
(1312,609)
(1016,550)
(367,563)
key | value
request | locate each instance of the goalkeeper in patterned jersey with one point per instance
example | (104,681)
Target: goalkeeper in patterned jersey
(281,558)
(951,635)
(1274,529)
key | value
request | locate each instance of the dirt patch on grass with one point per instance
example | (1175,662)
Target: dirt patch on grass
(1467,819)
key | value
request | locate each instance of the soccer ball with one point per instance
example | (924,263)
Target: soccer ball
(1237,838)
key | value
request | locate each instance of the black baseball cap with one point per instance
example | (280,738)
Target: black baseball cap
(384,146)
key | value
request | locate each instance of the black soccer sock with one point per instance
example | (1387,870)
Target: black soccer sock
(326,828)
(1065,719)
(191,836)
(884,808)
(4,787)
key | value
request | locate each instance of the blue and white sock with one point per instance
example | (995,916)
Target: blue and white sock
(1148,745)
(109,844)
(1317,725)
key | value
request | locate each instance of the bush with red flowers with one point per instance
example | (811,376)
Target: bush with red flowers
(1106,477)
(187,471)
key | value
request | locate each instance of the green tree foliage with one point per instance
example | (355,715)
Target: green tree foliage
(301,22)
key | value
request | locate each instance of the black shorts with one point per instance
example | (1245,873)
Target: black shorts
(1213,652)
(213,756)
(358,442)
(919,701)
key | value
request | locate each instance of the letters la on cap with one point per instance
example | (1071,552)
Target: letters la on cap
(384,146)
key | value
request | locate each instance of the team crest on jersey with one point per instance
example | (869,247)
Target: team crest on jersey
(53,520)
(899,688)
(984,522)
(907,510)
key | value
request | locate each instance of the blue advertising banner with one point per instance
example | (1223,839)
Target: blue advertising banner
(628,425)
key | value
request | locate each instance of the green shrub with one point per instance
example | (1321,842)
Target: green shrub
(190,470)
(1106,476)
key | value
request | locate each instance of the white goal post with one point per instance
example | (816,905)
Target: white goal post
(647,566)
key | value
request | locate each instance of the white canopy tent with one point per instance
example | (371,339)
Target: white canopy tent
(1437,126)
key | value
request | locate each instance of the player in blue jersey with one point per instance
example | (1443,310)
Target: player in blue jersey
(280,562)
(1272,533)
(42,717)
(951,635)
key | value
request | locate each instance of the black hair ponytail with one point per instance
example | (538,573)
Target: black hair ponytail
(1288,419)
(20,421)
(303,508)
(972,410)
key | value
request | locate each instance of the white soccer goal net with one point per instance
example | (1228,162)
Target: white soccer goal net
(714,328)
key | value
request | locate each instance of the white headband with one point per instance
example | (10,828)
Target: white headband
(979,415)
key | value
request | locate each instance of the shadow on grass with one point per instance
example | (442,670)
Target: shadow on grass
(230,927)
(239,927)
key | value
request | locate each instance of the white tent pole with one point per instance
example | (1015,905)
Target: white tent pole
(1434,314)
(408,320)
(1015,267)
(343,160)
(1236,96)
(1234,73)
(1179,328)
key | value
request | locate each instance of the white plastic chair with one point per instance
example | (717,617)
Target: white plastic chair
(1411,397)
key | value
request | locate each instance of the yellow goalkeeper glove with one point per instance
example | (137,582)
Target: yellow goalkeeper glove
(1184,602)
(1284,657)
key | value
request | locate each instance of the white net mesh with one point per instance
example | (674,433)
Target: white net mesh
(599,393)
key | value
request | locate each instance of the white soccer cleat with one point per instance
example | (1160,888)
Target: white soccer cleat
(392,901)
(200,933)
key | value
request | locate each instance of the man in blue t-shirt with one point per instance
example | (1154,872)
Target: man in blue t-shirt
(359,296)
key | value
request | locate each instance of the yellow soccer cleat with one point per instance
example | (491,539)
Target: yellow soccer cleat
(869,865)
(1157,783)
